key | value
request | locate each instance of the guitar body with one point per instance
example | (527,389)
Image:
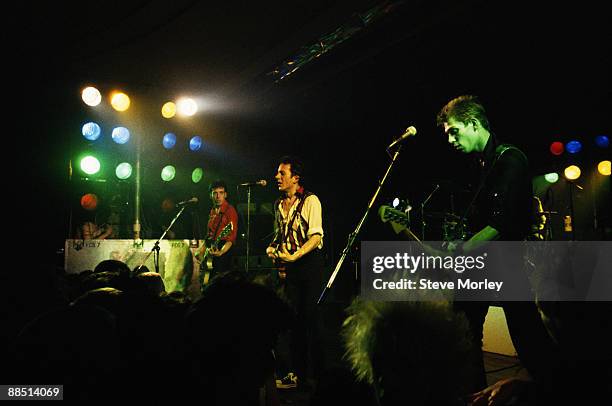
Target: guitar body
(207,261)
(206,265)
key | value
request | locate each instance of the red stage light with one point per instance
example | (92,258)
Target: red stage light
(89,201)
(556,148)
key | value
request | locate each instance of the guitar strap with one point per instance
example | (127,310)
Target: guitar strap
(498,153)
(298,210)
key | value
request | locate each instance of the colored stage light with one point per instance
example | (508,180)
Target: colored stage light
(551,177)
(168,110)
(90,165)
(168,173)
(604,168)
(573,147)
(186,106)
(396,202)
(572,172)
(123,170)
(602,141)
(120,135)
(196,175)
(556,148)
(168,205)
(120,101)
(89,201)
(91,96)
(169,140)
(91,131)
(195,143)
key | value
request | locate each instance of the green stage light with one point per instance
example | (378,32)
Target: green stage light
(196,175)
(168,173)
(123,170)
(90,165)
(551,177)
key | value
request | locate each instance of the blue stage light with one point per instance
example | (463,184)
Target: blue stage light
(169,140)
(573,147)
(91,131)
(120,135)
(195,144)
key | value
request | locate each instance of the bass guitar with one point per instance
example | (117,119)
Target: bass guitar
(398,220)
(400,223)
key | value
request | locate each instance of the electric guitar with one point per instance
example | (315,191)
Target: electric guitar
(401,224)
(207,258)
(398,220)
(453,229)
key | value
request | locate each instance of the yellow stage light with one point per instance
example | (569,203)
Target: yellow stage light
(604,168)
(168,110)
(572,172)
(120,101)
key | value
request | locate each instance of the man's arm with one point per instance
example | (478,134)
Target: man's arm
(219,252)
(108,230)
(284,255)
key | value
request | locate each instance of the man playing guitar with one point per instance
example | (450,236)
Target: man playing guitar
(221,214)
(500,210)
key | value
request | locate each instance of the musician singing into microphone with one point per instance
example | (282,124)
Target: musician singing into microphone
(221,234)
(297,246)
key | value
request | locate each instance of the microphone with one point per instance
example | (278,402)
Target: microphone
(186,202)
(262,182)
(410,132)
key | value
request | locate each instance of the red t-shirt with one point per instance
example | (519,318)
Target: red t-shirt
(218,221)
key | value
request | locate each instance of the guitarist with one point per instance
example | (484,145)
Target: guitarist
(501,209)
(297,245)
(221,214)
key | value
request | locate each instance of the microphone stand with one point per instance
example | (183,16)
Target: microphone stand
(248,230)
(571,207)
(155,248)
(423,212)
(353,235)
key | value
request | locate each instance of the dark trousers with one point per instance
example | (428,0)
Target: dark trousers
(221,264)
(303,286)
(536,350)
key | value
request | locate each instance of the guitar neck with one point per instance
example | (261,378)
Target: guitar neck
(413,236)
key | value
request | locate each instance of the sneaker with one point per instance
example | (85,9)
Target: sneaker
(288,382)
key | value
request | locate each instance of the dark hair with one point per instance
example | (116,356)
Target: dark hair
(297,166)
(463,108)
(390,345)
(217,184)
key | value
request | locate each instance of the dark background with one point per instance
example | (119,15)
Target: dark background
(542,71)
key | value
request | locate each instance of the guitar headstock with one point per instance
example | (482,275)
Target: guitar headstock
(397,218)
(226,230)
